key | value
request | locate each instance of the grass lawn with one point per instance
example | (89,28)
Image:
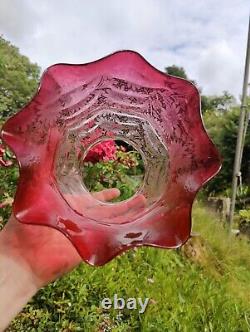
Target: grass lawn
(210,292)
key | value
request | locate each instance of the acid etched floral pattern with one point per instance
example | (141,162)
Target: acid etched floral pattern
(118,97)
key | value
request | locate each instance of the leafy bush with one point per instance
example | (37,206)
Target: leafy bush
(18,79)
(5,156)
(244,222)
(245,214)
(8,182)
(222,128)
(123,170)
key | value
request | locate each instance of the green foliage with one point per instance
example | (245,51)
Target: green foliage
(242,196)
(176,71)
(124,173)
(179,72)
(231,257)
(8,183)
(18,79)
(245,214)
(244,222)
(217,103)
(184,296)
(222,128)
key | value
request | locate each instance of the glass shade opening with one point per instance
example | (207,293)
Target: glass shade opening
(113,164)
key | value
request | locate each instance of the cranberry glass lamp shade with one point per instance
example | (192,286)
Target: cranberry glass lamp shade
(118,97)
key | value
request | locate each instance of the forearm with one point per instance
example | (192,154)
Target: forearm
(17,286)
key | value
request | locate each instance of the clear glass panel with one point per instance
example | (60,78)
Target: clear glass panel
(113,164)
(115,125)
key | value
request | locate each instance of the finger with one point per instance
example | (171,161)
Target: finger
(129,216)
(124,209)
(79,202)
(85,201)
(138,202)
(107,194)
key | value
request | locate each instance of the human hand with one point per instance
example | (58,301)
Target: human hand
(43,250)
(31,256)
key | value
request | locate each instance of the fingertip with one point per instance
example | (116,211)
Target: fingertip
(140,200)
(116,192)
(112,193)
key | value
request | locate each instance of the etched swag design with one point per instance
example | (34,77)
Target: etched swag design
(118,97)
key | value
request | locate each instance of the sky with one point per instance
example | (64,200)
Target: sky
(206,37)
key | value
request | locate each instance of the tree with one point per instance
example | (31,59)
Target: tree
(179,72)
(18,79)
(217,103)
(176,71)
(222,128)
